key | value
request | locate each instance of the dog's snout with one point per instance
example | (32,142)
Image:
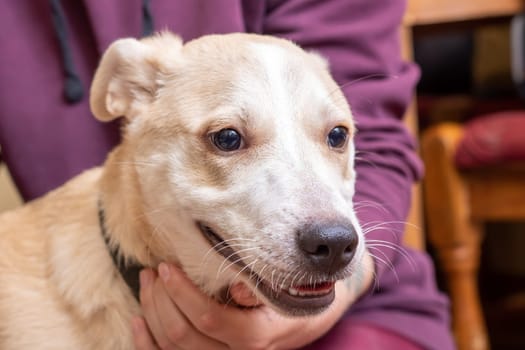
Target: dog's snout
(328,247)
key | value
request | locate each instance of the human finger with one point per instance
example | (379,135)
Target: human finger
(148,279)
(176,328)
(209,317)
(142,338)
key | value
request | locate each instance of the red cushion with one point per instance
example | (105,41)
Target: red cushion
(492,139)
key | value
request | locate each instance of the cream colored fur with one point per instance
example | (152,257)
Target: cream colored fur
(59,288)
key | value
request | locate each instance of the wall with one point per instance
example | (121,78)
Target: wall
(9,197)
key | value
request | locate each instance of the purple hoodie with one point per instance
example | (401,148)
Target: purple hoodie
(46,140)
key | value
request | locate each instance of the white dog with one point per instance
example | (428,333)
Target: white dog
(236,164)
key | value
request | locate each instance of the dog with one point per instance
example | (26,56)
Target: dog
(237,164)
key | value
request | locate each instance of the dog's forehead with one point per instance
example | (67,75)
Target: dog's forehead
(288,83)
(255,77)
(283,75)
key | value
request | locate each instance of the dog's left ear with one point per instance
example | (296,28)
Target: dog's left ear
(126,79)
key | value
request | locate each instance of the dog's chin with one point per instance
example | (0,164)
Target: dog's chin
(295,300)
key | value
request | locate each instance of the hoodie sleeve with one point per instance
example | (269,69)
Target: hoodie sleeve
(360,39)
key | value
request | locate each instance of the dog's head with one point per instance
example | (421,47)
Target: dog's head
(243,151)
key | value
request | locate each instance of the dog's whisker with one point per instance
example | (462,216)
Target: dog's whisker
(234,262)
(272,280)
(136,163)
(292,274)
(218,250)
(385,261)
(352,82)
(372,224)
(395,232)
(239,273)
(208,255)
(396,247)
(283,280)
(222,268)
(295,273)
(260,273)
(252,275)
(364,78)
(370,204)
(368,161)
(305,273)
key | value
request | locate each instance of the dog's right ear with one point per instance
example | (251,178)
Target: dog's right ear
(126,79)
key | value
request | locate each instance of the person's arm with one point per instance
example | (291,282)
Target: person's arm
(359,38)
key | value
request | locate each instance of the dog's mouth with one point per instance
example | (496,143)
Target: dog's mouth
(301,299)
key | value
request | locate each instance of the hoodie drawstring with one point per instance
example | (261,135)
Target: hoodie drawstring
(73,89)
(147,19)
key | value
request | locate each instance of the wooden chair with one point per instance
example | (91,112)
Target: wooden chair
(457,203)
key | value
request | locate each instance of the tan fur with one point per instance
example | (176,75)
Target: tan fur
(59,288)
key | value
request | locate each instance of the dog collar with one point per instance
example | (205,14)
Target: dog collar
(128,271)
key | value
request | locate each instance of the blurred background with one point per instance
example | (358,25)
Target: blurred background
(471,124)
(9,197)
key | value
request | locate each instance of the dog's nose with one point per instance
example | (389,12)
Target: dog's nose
(328,247)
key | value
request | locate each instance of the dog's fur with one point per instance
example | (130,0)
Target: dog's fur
(59,288)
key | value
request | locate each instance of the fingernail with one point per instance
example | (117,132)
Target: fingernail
(136,324)
(243,291)
(145,278)
(164,272)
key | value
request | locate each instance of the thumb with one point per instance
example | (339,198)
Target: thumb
(244,296)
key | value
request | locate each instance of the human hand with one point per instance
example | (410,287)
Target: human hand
(178,316)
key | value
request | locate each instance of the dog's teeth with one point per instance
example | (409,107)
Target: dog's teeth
(309,292)
(293,291)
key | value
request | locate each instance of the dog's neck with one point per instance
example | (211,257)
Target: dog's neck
(129,270)
(126,226)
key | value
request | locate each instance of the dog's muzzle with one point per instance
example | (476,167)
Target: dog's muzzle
(326,251)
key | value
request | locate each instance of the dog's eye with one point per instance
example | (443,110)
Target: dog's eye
(227,140)
(337,137)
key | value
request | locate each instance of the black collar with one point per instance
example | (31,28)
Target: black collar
(128,271)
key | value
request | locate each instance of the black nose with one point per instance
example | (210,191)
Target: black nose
(328,247)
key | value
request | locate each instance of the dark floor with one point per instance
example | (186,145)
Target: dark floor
(503,300)
(502,291)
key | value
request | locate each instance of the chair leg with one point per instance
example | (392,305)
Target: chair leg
(456,238)
(460,265)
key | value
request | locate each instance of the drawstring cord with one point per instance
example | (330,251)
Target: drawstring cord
(147,19)
(73,89)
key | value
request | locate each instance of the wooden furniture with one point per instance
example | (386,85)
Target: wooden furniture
(457,203)
(423,12)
